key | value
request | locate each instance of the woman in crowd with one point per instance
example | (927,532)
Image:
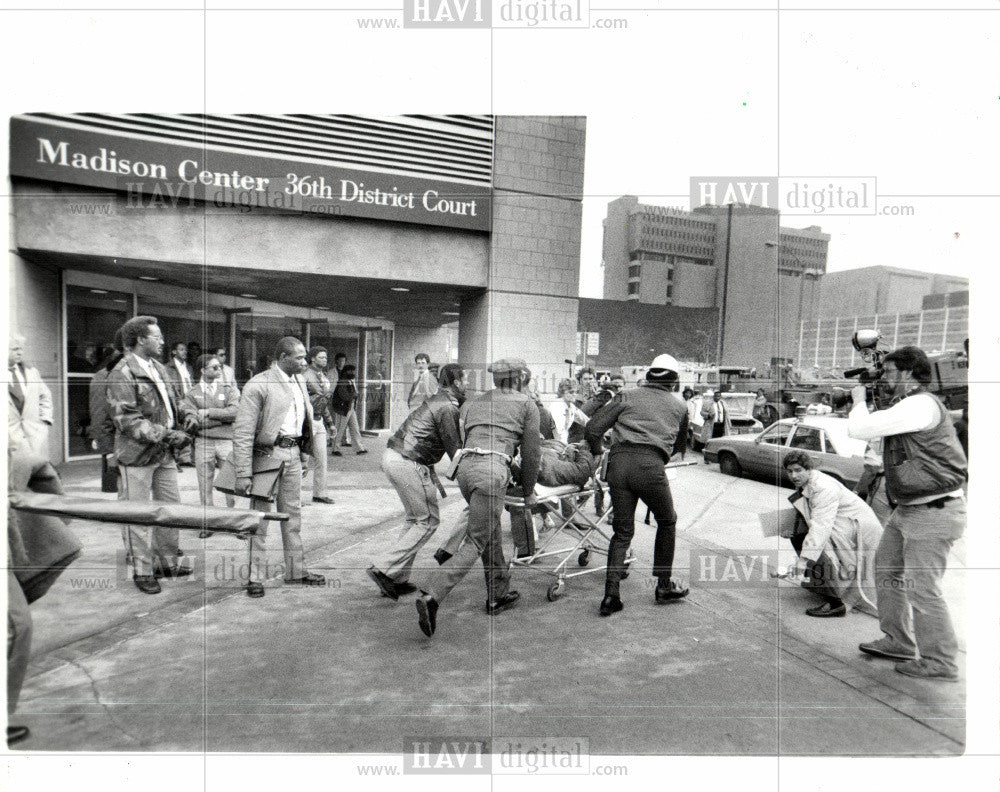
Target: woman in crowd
(836,537)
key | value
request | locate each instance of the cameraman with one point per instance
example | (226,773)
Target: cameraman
(925,469)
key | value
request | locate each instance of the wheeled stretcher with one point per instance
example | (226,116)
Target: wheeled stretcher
(585,534)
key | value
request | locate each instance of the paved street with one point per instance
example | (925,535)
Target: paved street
(733,669)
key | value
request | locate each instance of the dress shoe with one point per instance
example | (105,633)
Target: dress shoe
(205,534)
(427,608)
(926,669)
(322,499)
(308,579)
(611,604)
(336,453)
(508,600)
(176,572)
(826,610)
(406,587)
(255,590)
(384,582)
(16,734)
(886,647)
(669,590)
(441,555)
(362,451)
(146,584)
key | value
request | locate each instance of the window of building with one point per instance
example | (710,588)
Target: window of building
(633,288)
(670,291)
(635,271)
(670,274)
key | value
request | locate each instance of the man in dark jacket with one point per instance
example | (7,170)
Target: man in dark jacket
(494,425)
(430,432)
(649,425)
(145,414)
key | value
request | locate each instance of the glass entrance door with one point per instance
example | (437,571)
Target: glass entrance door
(376,382)
(92,317)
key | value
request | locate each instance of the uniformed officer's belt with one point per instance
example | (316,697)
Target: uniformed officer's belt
(484,451)
(288,442)
(464,452)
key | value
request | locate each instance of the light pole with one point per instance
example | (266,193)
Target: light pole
(803,274)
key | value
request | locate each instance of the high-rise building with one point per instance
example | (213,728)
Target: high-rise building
(737,259)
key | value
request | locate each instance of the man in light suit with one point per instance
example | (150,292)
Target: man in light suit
(716,416)
(29,402)
(275,419)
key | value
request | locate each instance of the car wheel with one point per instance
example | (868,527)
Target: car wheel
(730,465)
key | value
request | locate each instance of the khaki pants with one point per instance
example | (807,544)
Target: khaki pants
(289,500)
(209,454)
(146,545)
(419,496)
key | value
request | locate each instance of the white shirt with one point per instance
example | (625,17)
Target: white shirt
(565,415)
(292,425)
(161,386)
(182,370)
(718,412)
(210,389)
(913,414)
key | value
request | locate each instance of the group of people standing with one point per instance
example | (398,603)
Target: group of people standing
(148,416)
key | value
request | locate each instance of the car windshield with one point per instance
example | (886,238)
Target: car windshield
(777,434)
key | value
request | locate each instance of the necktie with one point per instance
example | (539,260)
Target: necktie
(16,392)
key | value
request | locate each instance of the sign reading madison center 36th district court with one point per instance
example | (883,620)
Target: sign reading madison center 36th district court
(158,173)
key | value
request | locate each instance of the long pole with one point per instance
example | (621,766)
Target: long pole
(725,288)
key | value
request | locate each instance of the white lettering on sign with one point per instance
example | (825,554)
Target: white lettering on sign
(355,192)
(104,161)
(432,203)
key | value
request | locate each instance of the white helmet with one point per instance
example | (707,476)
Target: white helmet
(665,363)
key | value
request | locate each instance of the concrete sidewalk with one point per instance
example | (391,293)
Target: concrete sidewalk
(730,670)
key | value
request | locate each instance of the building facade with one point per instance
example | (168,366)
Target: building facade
(736,259)
(867,291)
(378,237)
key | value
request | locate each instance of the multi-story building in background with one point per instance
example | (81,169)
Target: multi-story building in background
(736,259)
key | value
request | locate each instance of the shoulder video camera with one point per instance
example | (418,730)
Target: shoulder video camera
(866,343)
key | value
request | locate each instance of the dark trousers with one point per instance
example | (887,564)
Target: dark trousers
(637,474)
(822,573)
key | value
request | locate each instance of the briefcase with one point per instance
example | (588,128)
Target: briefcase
(263,482)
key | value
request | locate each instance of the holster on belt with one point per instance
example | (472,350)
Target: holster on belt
(453,467)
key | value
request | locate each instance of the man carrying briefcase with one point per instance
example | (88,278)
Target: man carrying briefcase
(274,425)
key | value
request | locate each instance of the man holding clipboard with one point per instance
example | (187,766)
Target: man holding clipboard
(273,426)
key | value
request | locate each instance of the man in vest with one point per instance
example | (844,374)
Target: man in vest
(925,470)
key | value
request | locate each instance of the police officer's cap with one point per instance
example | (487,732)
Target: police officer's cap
(505,367)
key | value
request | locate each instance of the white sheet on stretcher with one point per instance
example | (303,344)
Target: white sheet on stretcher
(543,493)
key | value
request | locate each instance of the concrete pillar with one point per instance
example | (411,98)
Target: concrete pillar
(531,304)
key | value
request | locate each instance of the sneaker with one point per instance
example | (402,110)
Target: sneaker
(926,669)
(886,647)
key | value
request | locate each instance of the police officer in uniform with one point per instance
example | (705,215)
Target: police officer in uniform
(494,425)
(649,426)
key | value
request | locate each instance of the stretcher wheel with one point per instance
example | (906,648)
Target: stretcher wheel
(584,558)
(555,591)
